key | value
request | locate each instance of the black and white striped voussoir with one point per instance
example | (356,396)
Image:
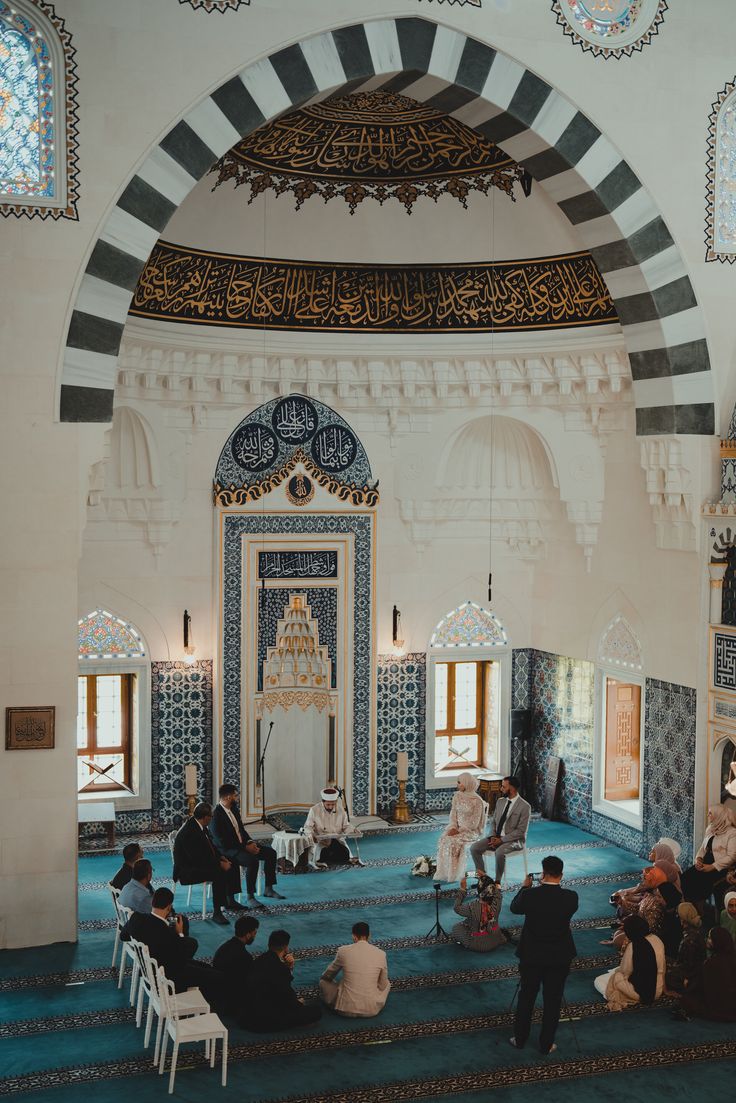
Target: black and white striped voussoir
(561,148)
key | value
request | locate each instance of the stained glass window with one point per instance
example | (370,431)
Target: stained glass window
(38,112)
(102,635)
(469,626)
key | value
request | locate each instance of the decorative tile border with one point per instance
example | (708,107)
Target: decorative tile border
(236,525)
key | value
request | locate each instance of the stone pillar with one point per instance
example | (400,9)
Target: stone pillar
(716,571)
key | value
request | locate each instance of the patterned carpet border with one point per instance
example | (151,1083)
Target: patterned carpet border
(309,1043)
(108,1016)
(373,901)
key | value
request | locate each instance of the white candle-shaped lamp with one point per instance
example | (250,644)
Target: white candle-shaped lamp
(402,766)
(190,779)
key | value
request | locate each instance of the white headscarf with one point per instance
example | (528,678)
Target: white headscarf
(470,782)
(721,820)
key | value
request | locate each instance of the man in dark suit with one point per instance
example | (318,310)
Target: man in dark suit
(197,859)
(235,842)
(173,950)
(132,853)
(271,1003)
(235,962)
(545,951)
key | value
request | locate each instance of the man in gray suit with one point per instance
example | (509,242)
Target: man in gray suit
(510,825)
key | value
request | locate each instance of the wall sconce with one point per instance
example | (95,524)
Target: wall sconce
(396,633)
(189,647)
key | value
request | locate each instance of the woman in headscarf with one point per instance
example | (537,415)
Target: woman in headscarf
(658,906)
(639,977)
(728,915)
(467,817)
(479,930)
(691,953)
(716,855)
(627,901)
(713,994)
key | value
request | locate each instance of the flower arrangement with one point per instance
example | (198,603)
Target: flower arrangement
(424,866)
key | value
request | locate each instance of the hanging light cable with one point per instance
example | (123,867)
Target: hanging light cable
(491,420)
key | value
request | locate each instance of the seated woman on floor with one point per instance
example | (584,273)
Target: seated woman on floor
(627,901)
(728,915)
(467,817)
(712,995)
(658,906)
(716,856)
(691,953)
(479,930)
(639,977)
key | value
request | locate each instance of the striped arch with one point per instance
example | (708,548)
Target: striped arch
(562,149)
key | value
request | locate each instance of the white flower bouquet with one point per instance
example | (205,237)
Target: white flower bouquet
(424,866)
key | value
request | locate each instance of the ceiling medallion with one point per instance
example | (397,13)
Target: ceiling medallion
(371,145)
(610,28)
(216,5)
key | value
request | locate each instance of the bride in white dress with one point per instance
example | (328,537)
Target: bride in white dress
(467,817)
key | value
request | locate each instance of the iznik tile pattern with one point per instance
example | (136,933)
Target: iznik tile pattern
(401,694)
(236,526)
(322,601)
(669,764)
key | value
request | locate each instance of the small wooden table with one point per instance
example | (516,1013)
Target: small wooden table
(99,812)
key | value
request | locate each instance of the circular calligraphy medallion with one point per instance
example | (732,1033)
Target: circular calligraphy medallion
(334,448)
(299,490)
(294,419)
(254,447)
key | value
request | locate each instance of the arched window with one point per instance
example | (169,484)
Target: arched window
(619,748)
(38,112)
(721,182)
(113,715)
(468,681)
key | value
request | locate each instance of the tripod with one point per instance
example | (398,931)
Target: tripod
(567,1019)
(437,928)
(261,773)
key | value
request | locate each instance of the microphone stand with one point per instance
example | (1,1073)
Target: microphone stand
(263,818)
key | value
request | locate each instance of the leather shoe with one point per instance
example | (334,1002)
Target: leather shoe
(235,906)
(271,891)
(220,919)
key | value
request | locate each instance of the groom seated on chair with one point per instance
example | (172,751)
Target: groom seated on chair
(510,825)
(235,842)
(197,859)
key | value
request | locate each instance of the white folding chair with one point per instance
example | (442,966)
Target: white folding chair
(515,854)
(191,1002)
(115,893)
(198,1028)
(205,884)
(124,915)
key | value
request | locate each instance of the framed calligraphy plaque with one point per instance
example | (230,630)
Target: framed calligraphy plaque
(29,729)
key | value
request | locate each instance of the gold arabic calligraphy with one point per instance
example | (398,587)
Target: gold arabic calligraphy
(183,285)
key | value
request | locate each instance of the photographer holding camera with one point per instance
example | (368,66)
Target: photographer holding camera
(545,951)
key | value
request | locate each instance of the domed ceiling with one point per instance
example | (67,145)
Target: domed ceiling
(377,145)
(357,266)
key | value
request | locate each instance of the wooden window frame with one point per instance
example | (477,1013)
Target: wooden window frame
(127,686)
(479,727)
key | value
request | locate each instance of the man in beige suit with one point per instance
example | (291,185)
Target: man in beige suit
(365,986)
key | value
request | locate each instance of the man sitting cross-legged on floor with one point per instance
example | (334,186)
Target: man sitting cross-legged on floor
(365,986)
(270,1001)
(173,950)
(131,854)
(235,962)
(197,859)
(235,842)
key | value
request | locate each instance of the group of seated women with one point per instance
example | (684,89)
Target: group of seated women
(660,932)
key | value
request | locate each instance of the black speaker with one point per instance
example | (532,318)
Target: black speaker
(521,724)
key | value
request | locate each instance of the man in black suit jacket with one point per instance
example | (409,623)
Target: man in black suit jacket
(271,1003)
(235,962)
(545,951)
(172,950)
(197,859)
(235,842)
(132,853)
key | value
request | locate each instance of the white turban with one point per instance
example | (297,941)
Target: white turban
(329,794)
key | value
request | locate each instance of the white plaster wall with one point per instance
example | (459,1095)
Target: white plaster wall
(142,64)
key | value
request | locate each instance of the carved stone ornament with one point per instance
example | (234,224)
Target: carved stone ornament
(610,28)
(620,646)
(216,5)
(370,145)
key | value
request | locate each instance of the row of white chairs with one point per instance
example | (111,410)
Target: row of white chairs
(184,1017)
